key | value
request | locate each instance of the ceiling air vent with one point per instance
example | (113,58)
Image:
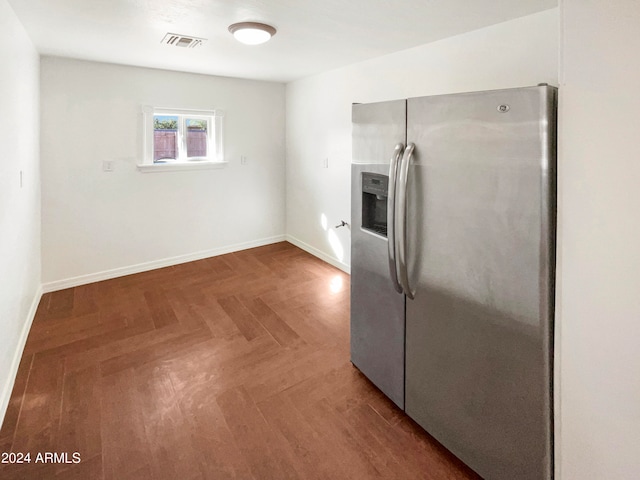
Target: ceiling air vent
(184,41)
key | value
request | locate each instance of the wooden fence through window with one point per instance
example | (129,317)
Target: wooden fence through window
(164,144)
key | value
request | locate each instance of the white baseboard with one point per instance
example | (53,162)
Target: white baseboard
(17,355)
(319,253)
(165,262)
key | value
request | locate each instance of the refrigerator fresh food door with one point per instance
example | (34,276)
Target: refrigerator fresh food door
(481,235)
(377,309)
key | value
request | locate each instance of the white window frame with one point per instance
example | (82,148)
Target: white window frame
(215,152)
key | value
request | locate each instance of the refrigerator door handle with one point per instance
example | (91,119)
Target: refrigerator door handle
(391,209)
(400,218)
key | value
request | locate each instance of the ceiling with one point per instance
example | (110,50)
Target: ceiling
(313,35)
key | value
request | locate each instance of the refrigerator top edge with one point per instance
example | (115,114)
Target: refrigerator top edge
(466,92)
(542,86)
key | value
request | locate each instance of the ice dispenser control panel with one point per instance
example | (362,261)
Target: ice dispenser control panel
(375,189)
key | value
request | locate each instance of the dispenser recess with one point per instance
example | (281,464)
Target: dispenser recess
(375,188)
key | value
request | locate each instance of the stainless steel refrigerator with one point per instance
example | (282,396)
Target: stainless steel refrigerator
(452,275)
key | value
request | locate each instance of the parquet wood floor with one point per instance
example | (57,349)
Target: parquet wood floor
(236,366)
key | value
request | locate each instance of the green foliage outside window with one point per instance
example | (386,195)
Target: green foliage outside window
(192,124)
(196,124)
(165,124)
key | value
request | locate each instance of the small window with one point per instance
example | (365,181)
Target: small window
(180,139)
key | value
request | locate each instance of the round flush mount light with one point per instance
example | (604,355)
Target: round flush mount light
(252,33)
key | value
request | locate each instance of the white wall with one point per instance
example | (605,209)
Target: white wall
(520,52)
(598,310)
(98,224)
(19,205)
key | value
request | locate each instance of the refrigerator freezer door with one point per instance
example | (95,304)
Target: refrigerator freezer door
(377,310)
(481,255)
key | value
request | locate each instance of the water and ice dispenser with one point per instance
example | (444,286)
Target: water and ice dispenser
(375,189)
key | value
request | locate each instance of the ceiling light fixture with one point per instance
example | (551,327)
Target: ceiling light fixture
(252,33)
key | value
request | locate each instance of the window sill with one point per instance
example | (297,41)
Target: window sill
(176,167)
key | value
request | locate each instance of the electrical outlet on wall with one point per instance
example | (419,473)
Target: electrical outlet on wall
(243,160)
(325,162)
(107,166)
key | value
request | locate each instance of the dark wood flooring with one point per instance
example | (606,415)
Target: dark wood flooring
(236,366)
